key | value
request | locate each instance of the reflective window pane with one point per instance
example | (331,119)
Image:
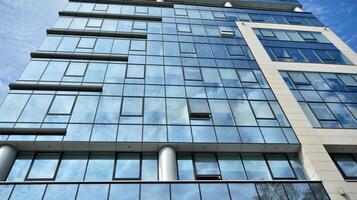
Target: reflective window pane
(44,166)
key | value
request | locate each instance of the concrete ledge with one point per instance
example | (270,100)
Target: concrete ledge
(97,33)
(36,86)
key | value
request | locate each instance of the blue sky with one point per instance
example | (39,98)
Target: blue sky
(24,24)
(339,15)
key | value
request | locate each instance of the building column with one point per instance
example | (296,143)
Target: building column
(167,164)
(7,158)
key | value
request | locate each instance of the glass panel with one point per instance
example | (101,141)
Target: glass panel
(155,191)
(185,166)
(347,164)
(214,191)
(9,111)
(61,192)
(243,114)
(127,166)
(108,110)
(243,191)
(154,111)
(185,192)
(93,192)
(177,111)
(36,108)
(132,107)
(34,70)
(271,191)
(124,192)
(62,105)
(5,191)
(20,167)
(84,110)
(206,165)
(279,166)
(100,167)
(231,166)
(298,191)
(44,166)
(26,192)
(149,166)
(256,167)
(221,112)
(72,167)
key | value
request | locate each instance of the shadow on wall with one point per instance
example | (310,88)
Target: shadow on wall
(23,28)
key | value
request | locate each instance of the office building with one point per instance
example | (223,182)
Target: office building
(183,99)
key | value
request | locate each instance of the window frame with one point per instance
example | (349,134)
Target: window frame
(199,115)
(339,167)
(43,179)
(208,176)
(140,165)
(270,169)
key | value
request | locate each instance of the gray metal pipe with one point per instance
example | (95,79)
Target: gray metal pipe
(7,158)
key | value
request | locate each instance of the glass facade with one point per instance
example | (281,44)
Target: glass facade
(300,46)
(329,100)
(146,191)
(155,100)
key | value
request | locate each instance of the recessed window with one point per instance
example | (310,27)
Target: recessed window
(199,109)
(347,164)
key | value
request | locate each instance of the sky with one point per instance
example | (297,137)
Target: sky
(339,15)
(24,24)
